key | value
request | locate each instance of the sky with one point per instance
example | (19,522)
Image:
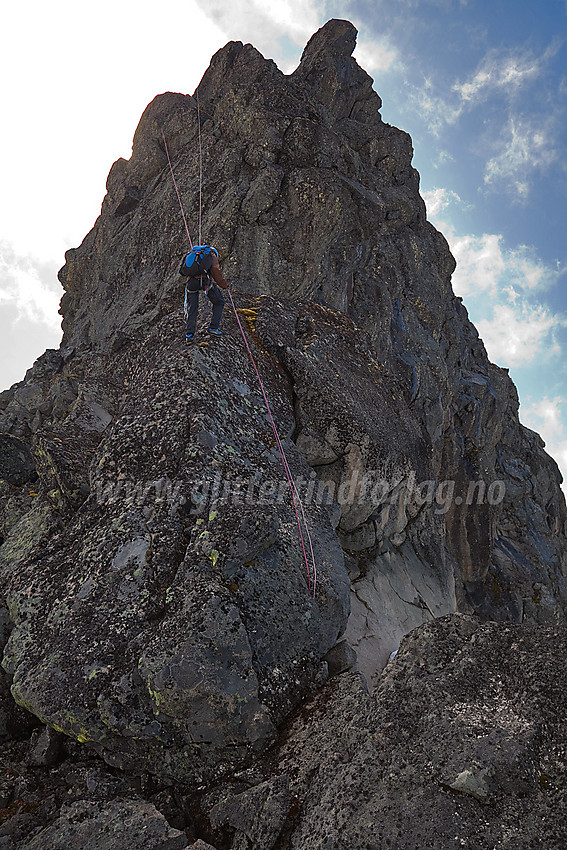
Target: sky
(480,85)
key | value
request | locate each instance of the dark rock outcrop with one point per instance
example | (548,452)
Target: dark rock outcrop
(462,744)
(15,461)
(160,610)
(167,648)
(257,816)
(117,825)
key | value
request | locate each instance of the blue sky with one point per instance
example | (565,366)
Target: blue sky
(480,86)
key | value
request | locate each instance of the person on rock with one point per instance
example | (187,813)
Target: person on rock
(199,266)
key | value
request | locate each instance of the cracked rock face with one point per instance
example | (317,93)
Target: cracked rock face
(129,824)
(160,629)
(160,608)
(455,747)
(461,744)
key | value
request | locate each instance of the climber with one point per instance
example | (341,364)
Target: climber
(199,265)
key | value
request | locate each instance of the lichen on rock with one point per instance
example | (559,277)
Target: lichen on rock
(162,613)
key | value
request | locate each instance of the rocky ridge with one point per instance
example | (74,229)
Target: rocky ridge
(157,609)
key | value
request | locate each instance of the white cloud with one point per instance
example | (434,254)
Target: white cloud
(443,158)
(266,23)
(498,73)
(438,199)
(524,146)
(72,115)
(546,417)
(29,322)
(22,288)
(296,18)
(21,343)
(515,329)
(376,56)
(483,265)
(515,143)
(480,263)
(506,71)
(500,287)
(519,333)
(546,413)
(436,109)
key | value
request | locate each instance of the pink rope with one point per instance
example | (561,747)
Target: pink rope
(290,480)
(177,190)
(294,493)
(200,165)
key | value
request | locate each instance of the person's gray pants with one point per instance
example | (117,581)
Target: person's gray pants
(215,298)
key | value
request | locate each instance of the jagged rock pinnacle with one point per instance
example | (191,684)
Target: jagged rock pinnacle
(334,77)
(156,605)
(337,37)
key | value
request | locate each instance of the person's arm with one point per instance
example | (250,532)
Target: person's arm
(217,274)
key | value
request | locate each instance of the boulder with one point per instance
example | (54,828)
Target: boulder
(116,825)
(460,745)
(172,604)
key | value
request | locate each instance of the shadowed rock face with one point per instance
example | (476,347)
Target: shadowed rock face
(129,823)
(455,748)
(151,565)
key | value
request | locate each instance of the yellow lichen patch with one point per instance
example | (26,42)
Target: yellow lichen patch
(250,316)
(83,736)
(72,726)
(157,698)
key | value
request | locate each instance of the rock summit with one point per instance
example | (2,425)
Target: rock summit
(159,628)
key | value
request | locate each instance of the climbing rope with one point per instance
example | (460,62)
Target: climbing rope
(311,573)
(177,191)
(200,165)
(292,486)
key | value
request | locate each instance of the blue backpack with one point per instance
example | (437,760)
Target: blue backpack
(198,261)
